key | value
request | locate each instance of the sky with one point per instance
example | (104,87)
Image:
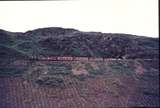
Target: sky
(138,17)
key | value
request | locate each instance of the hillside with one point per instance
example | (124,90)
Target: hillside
(129,79)
(70,42)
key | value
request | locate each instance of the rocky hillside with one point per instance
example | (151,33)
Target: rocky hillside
(71,42)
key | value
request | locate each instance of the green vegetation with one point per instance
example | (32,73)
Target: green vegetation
(49,74)
(120,68)
(81,77)
(49,80)
(62,68)
(77,51)
(11,71)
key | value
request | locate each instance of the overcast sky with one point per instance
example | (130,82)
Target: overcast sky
(139,17)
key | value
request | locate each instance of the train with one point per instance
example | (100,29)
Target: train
(68,58)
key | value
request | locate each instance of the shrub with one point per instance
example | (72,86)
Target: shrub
(81,77)
(120,68)
(49,80)
(59,68)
